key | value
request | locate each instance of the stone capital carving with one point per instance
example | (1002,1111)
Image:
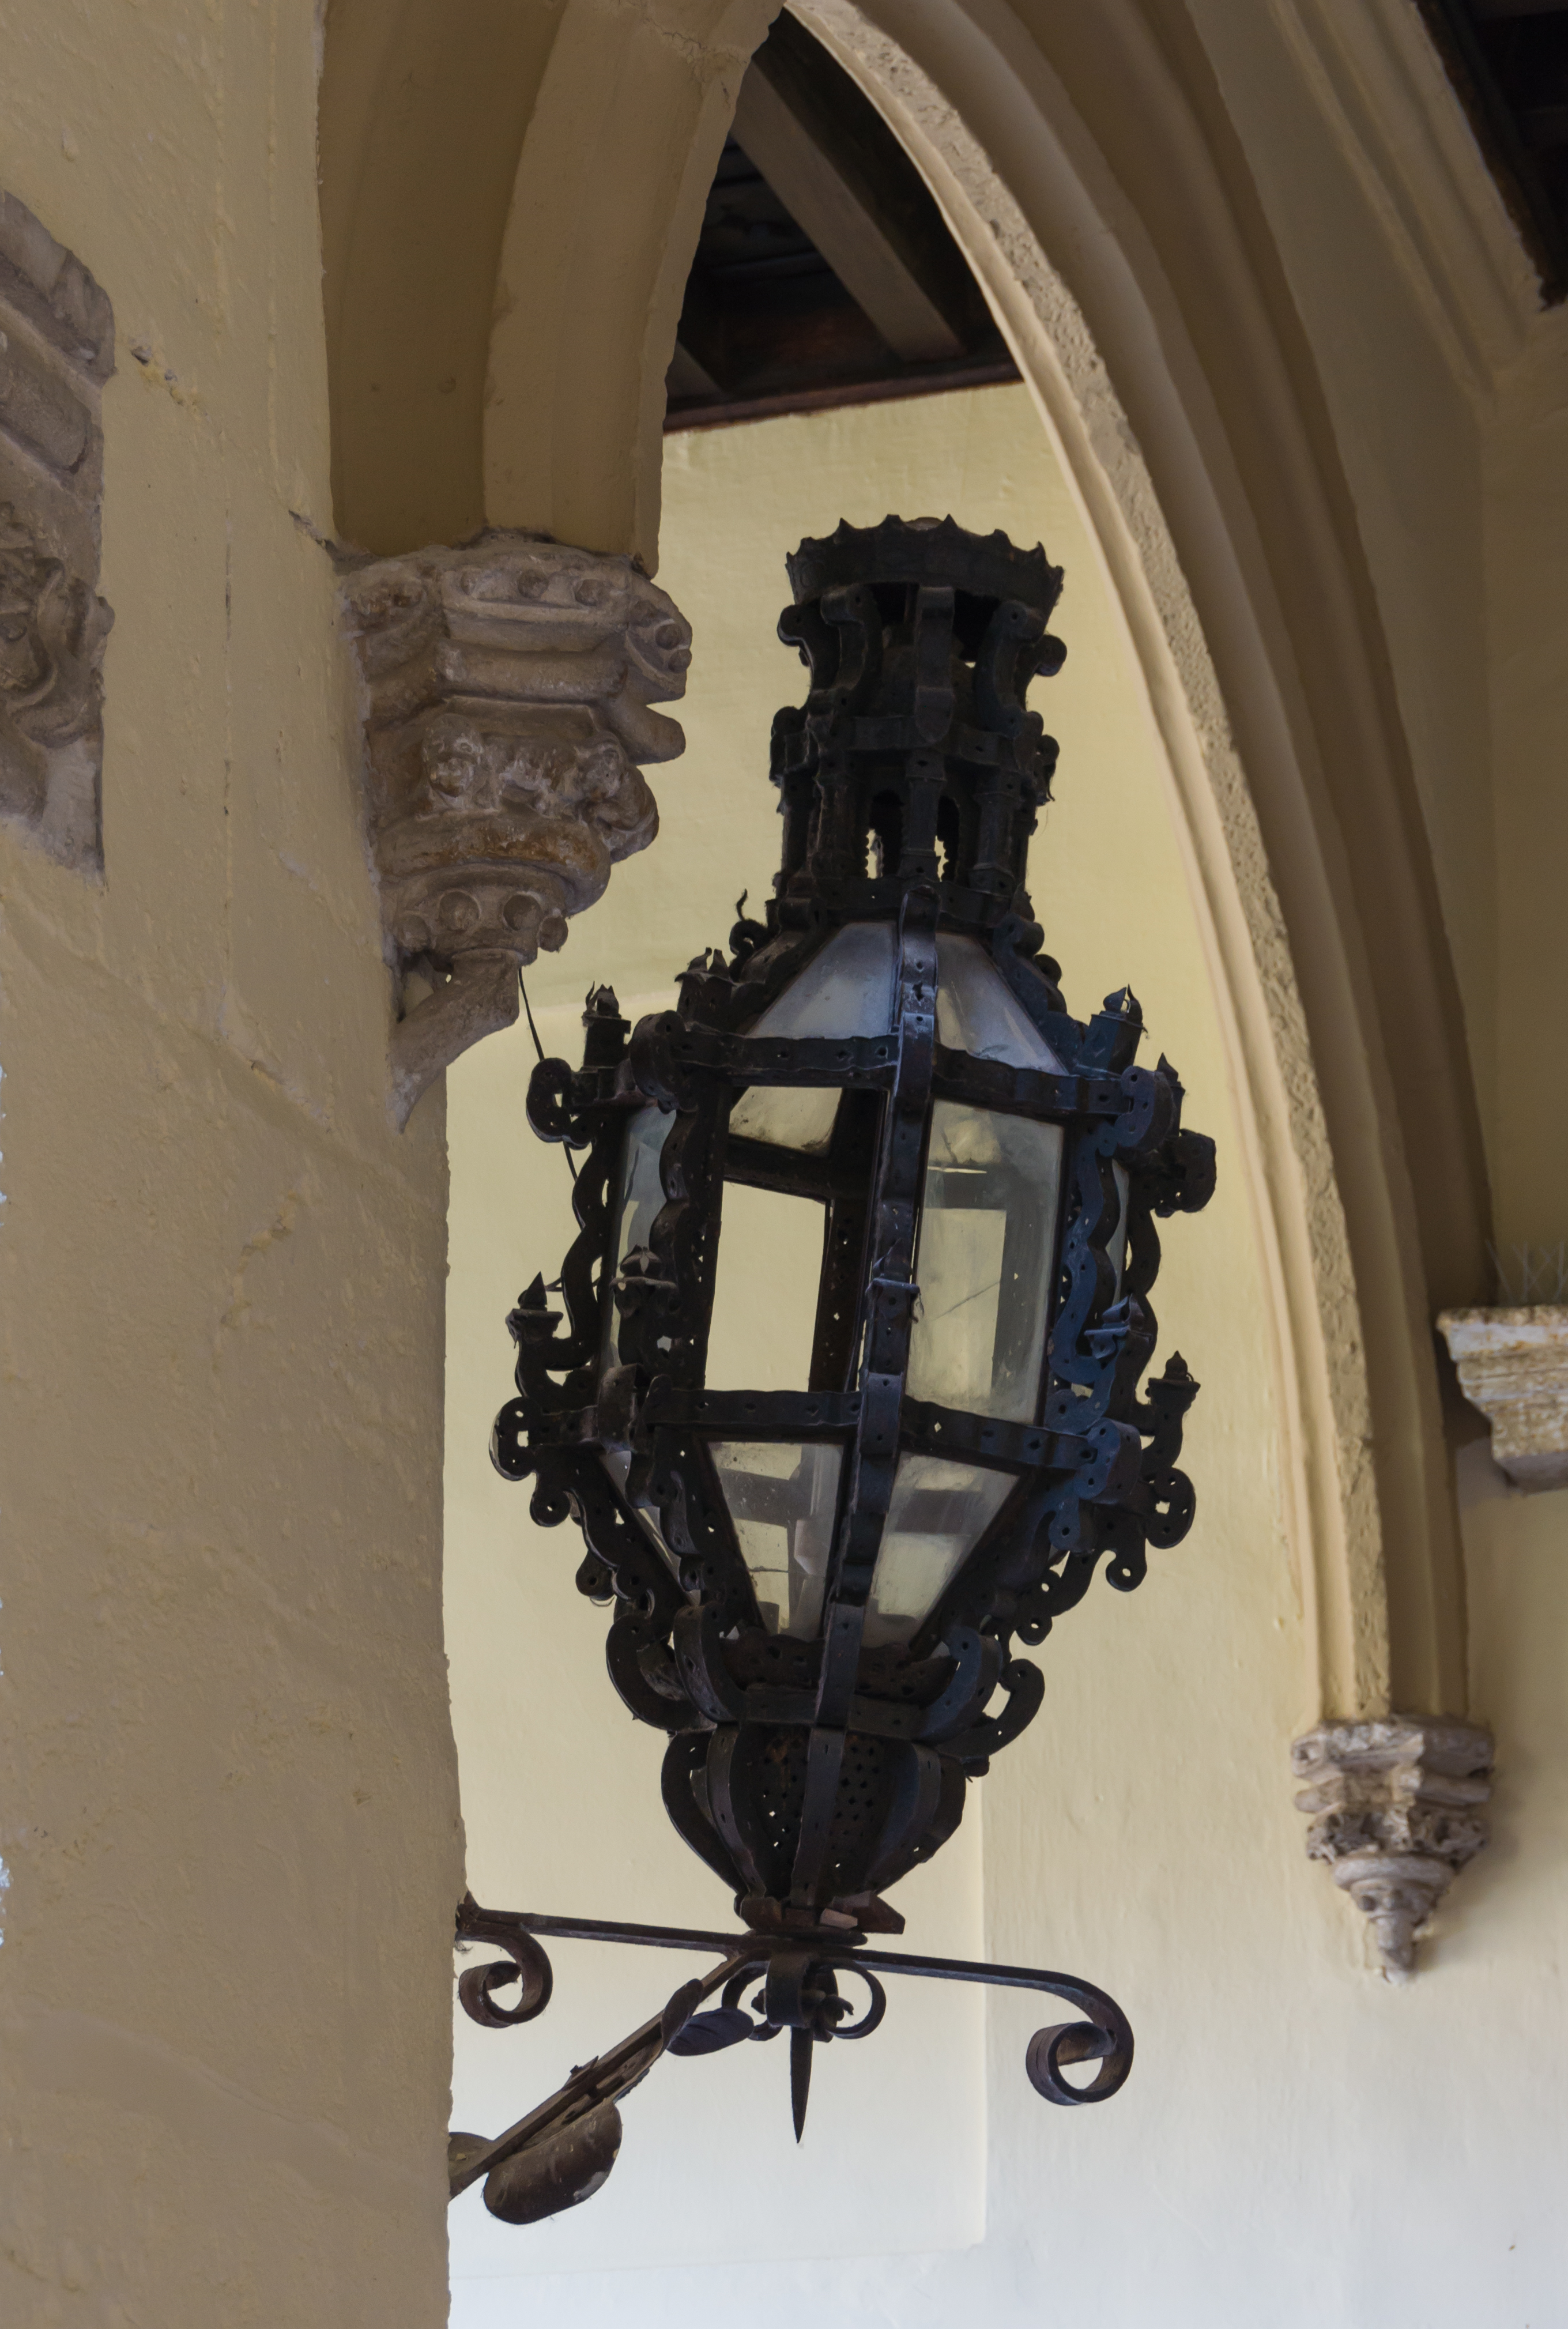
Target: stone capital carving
(508,687)
(1513,1365)
(1398,1807)
(56,350)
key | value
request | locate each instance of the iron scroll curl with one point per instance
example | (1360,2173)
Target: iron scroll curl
(570,2133)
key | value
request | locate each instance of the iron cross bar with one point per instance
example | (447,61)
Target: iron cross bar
(799,1967)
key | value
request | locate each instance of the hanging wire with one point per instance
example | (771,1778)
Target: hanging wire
(539,1047)
(1530,1274)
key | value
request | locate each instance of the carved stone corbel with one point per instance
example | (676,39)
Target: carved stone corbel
(56,350)
(1398,1807)
(506,722)
(1513,1365)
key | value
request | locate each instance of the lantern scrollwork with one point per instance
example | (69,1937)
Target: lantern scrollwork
(823,1562)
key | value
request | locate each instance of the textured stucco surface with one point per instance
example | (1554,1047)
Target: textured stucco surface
(227,1811)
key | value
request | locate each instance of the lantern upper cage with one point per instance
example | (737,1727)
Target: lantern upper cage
(822,1561)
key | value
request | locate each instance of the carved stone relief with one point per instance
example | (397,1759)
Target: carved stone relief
(1513,1365)
(1398,1807)
(506,722)
(56,350)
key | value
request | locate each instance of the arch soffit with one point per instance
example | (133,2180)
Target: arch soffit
(510,199)
(605,215)
(423,111)
(1171,366)
(1209,478)
(1039,154)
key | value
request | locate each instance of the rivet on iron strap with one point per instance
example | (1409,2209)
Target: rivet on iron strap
(874,1455)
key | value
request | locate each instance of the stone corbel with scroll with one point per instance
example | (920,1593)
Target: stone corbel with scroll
(508,720)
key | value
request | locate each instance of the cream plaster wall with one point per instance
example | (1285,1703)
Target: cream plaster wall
(1449,387)
(227,1812)
(1299,2144)
(1527,508)
(1308,85)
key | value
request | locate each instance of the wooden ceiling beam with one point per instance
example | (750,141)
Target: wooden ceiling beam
(819,172)
(702,365)
(687,382)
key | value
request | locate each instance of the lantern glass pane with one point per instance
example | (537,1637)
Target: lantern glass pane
(934,1522)
(770,1267)
(782,1496)
(845,989)
(978,1012)
(1118,1246)
(641,1197)
(988,1239)
(642,1193)
(801,1119)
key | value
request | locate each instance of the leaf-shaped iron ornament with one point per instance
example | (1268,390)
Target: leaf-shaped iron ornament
(819,1593)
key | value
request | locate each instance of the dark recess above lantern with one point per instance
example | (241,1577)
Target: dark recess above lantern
(824,273)
(1508,63)
(821,1574)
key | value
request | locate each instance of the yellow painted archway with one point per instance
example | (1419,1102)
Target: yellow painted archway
(511,197)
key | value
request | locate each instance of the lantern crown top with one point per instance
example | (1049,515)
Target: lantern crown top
(915,757)
(925,550)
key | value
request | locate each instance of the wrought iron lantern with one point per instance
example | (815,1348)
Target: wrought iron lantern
(820,1586)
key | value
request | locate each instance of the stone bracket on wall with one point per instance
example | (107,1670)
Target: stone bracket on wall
(1513,1365)
(507,713)
(56,350)
(1398,1807)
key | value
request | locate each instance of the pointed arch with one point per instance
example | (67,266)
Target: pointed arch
(1091,172)
(1174,375)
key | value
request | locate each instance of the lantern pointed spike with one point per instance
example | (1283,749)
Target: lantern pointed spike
(800,2050)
